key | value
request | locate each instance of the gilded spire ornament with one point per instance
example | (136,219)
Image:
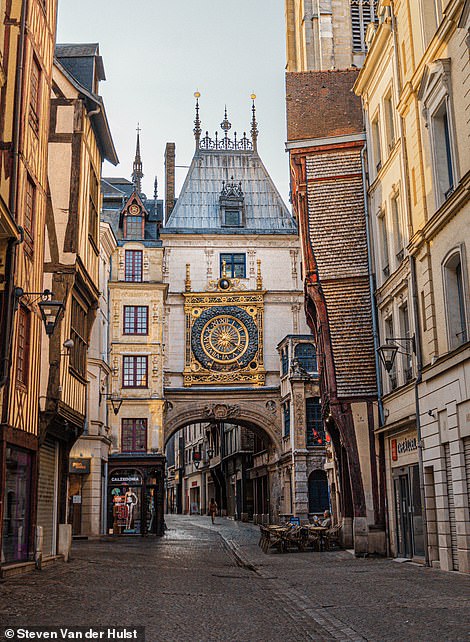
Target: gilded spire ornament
(197,121)
(254,125)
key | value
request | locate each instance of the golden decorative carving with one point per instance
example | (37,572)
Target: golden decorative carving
(187,282)
(224,338)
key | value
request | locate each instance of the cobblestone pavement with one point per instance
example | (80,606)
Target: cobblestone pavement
(202,583)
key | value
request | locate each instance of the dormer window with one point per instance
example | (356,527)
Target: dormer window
(231,202)
(133,223)
(232,218)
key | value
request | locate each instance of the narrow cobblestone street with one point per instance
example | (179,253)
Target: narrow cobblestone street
(204,582)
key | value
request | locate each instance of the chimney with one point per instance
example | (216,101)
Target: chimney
(169,179)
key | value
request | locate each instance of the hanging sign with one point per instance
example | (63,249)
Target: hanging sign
(79,466)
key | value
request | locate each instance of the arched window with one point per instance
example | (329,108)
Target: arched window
(305,353)
(455,295)
(315,429)
(318,495)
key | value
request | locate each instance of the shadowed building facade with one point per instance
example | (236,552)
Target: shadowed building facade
(136,348)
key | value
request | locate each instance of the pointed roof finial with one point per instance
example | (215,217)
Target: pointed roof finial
(155,189)
(225,124)
(254,125)
(197,122)
(137,174)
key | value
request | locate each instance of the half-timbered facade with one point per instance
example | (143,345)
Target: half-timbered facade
(79,141)
(27,32)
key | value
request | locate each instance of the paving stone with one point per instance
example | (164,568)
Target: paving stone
(213,583)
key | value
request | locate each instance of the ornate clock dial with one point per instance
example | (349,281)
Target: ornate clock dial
(224,338)
(134,210)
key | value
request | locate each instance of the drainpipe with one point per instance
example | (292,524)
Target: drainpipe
(375,324)
(419,378)
(375,333)
(11,250)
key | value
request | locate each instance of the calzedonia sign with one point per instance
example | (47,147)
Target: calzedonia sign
(131,478)
(403,446)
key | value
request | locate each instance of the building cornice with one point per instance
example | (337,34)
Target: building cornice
(449,24)
(321,142)
(450,208)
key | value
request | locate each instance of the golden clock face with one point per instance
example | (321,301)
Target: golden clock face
(134,210)
(224,339)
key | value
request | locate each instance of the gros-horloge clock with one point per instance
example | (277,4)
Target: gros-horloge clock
(224,338)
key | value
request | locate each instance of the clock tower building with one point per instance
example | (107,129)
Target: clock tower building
(232,264)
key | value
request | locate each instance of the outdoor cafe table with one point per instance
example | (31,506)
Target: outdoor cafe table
(321,530)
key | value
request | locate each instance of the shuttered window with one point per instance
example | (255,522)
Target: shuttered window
(34,95)
(78,335)
(29,216)
(362,13)
(22,356)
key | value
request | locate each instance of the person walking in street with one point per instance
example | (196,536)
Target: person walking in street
(213,509)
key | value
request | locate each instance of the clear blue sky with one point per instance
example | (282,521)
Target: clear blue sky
(157,54)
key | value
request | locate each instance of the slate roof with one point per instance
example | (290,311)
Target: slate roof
(116,193)
(198,211)
(338,237)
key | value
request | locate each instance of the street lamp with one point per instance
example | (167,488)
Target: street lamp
(49,308)
(210,453)
(116,402)
(389,350)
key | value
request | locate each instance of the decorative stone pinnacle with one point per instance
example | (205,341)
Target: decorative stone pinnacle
(197,121)
(254,124)
(137,174)
(225,124)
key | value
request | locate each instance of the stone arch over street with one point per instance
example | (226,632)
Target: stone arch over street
(257,410)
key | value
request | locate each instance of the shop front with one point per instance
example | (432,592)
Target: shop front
(136,495)
(408,517)
(17,498)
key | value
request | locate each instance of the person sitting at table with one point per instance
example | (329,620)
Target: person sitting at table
(325,521)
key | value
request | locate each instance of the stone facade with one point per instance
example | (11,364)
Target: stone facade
(253,263)
(413,86)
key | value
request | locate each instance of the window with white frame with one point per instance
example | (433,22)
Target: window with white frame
(389,118)
(455,299)
(407,359)
(376,147)
(389,334)
(435,96)
(383,240)
(397,226)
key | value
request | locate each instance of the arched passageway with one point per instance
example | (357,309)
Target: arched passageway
(228,461)
(318,494)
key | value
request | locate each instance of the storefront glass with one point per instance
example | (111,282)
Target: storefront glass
(16,513)
(125,502)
